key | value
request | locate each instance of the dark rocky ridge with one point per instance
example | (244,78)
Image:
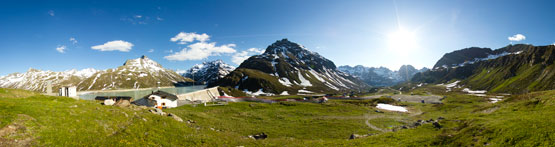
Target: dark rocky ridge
(468,54)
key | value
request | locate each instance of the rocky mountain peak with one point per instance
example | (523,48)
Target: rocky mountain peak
(381,76)
(33,70)
(208,72)
(143,62)
(282,45)
(289,68)
(293,54)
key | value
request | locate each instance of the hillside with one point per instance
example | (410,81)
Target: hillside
(528,68)
(381,76)
(37,120)
(208,72)
(36,80)
(135,73)
(474,54)
(289,68)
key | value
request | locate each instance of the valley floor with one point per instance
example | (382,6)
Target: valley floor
(29,119)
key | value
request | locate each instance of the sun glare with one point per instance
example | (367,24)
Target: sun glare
(402,41)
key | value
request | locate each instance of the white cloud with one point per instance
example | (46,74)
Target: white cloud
(185,38)
(51,13)
(201,50)
(159,18)
(517,37)
(73,40)
(151,50)
(239,57)
(116,45)
(138,16)
(61,48)
(256,50)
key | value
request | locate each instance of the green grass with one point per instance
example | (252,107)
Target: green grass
(520,120)
(283,97)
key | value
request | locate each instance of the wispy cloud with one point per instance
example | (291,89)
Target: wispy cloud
(151,50)
(239,57)
(184,38)
(136,19)
(73,40)
(61,48)
(517,37)
(51,13)
(116,45)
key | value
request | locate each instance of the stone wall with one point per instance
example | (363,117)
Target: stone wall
(205,95)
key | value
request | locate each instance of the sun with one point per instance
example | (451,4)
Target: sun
(402,41)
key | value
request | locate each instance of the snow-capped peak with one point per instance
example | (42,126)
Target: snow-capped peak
(208,71)
(144,62)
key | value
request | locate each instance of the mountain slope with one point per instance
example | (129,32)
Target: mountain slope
(37,80)
(381,76)
(136,73)
(208,72)
(527,69)
(474,54)
(289,68)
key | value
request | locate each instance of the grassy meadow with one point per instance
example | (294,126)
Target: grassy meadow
(519,120)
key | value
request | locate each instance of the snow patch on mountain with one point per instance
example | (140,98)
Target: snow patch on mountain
(490,57)
(381,76)
(140,72)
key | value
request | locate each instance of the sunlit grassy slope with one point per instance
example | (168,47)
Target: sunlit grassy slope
(523,120)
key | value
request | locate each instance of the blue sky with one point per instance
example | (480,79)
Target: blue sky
(346,32)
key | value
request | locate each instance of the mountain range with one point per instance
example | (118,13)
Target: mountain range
(289,68)
(135,73)
(208,72)
(381,76)
(512,69)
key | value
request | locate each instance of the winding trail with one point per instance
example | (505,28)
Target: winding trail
(397,118)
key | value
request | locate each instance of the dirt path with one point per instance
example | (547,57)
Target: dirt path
(370,117)
(397,118)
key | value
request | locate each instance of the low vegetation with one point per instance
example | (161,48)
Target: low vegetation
(519,120)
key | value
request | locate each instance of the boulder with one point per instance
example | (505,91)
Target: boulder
(157,111)
(259,136)
(417,124)
(355,136)
(437,125)
(177,118)
(123,103)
